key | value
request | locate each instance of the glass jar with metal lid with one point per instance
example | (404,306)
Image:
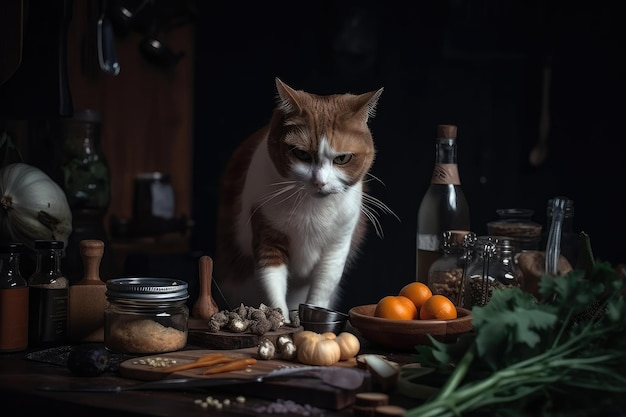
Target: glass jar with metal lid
(492,267)
(146,315)
(445,276)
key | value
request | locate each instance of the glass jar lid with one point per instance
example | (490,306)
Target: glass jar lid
(144,288)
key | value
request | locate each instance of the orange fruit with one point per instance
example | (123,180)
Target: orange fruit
(418,292)
(438,307)
(396,307)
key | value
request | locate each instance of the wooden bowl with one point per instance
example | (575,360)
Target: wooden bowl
(406,334)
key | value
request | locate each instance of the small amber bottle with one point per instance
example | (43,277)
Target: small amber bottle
(13,300)
(48,296)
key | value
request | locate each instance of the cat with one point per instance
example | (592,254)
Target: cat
(293,208)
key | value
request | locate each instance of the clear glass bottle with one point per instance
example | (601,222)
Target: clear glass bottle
(48,296)
(146,315)
(444,206)
(445,276)
(13,300)
(492,267)
(87,186)
(569,242)
(86,176)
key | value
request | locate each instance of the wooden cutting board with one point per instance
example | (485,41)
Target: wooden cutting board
(200,336)
(302,390)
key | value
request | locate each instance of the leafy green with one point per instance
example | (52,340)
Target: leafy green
(564,353)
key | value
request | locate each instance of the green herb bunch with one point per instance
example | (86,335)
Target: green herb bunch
(564,354)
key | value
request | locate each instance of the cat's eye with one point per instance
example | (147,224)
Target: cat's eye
(301,155)
(343,159)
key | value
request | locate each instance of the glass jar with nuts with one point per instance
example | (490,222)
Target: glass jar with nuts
(445,276)
(492,267)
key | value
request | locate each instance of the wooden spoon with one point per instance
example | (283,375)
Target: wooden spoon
(205,305)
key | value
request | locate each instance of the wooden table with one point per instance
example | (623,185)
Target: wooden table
(20,377)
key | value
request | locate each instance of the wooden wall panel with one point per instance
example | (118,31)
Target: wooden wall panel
(147,111)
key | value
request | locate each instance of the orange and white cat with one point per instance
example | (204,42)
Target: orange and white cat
(293,210)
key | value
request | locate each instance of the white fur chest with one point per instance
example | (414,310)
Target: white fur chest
(314,225)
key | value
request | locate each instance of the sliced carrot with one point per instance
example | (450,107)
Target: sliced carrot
(209,356)
(234,365)
(199,363)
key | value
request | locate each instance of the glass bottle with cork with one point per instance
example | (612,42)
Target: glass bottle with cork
(48,296)
(13,300)
(444,206)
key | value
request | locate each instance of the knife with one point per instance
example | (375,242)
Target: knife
(343,378)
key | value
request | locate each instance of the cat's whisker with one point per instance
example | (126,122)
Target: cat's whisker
(372,216)
(279,191)
(380,205)
(370,208)
(300,196)
(272,195)
(373,177)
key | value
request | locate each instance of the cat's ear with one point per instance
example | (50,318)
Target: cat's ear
(368,101)
(288,98)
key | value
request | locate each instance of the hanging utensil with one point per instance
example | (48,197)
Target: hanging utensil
(107,52)
(539,153)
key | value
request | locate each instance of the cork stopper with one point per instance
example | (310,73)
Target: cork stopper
(446,131)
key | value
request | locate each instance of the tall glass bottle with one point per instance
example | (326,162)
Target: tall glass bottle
(87,186)
(13,300)
(444,206)
(569,242)
(86,178)
(48,301)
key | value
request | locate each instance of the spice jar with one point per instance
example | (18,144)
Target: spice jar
(445,275)
(146,315)
(517,226)
(491,268)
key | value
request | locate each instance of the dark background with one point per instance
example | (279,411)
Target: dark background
(474,63)
(477,64)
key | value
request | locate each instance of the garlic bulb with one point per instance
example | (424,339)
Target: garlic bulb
(32,206)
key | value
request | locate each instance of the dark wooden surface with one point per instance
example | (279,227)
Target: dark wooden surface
(21,377)
(302,390)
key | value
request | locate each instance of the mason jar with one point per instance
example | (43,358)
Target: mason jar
(146,315)
(493,267)
(445,276)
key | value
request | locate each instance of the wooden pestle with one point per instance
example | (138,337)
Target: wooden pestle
(205,305)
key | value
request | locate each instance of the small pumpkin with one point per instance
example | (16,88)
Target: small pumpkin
(321,352)
(303,335)
(32,206)
(349,345)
